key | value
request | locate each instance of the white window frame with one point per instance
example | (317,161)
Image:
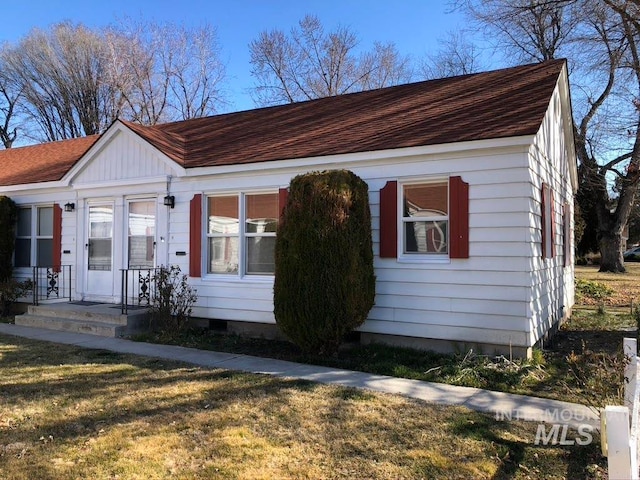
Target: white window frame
(222,234)
(417,257)
(34,234)
(242,236)
(245,235)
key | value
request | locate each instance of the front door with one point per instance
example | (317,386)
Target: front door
(100,274)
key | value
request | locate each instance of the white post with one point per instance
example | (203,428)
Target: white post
(630,348)
(619,453)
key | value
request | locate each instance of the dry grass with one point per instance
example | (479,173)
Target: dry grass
(626,286)
(70,413)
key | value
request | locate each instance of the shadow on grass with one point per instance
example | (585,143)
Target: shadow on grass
(514,451)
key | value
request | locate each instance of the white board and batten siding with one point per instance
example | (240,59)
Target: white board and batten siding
(481,299)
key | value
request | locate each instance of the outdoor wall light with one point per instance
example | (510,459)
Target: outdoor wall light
(69,207)
(170,201)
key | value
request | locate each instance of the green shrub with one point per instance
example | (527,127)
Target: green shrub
(324,280)
(8,219)
(172,301)
(10,291)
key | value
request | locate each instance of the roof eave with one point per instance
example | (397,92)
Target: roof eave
(520,143)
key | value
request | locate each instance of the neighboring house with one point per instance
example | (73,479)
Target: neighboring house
(471,178)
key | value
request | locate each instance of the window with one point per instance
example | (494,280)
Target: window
(34,237)
(260,232)
(142,233)
(425,218)
(241,233)
(433,218)
(223,234)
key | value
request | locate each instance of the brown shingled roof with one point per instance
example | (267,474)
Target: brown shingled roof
(501,103)
(42,163)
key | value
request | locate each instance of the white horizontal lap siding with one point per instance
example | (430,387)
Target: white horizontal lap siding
(455,334)
(252,301)
(482,298)
(551,289)
(486,292)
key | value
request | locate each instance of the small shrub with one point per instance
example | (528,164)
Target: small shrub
(10,291)
(172,301)
(596,291)
(8,219)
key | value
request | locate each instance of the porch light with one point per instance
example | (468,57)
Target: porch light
(69,207)
(170,201)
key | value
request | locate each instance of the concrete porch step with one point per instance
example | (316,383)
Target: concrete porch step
(99,319)
(101,313)
(69,325)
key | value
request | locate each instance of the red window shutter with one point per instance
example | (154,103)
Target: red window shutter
(283,194)
(57,237)
(389,220)
(195,236)
(458,218)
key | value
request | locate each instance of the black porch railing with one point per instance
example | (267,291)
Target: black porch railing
(51,283)
(138,287)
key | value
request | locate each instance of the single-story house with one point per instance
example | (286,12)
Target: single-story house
(472,181)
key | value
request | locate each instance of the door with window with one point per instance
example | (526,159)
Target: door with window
(141,234)
(99,247)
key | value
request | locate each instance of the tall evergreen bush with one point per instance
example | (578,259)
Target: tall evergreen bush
(324,280)
(8,219)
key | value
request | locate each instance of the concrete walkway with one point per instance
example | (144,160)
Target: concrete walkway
(504,406)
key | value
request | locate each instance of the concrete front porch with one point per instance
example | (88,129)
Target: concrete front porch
(93,318)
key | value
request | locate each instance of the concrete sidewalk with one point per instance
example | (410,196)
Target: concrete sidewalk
(503,406)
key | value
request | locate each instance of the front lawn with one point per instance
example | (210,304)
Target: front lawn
(70,413)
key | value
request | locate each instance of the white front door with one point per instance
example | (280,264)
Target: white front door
(99,265)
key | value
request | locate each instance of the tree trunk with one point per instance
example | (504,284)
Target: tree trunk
(611,252)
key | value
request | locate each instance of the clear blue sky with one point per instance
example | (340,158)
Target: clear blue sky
(413,25)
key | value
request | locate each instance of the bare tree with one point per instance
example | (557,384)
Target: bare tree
(311,63)
(137,72)
(58,73)
(166,72)
(456,55)
(528,29)
(72,81)
(600,39)
(10,95)
(196,71)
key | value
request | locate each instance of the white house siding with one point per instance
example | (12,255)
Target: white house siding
(481,299)
(551,293)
